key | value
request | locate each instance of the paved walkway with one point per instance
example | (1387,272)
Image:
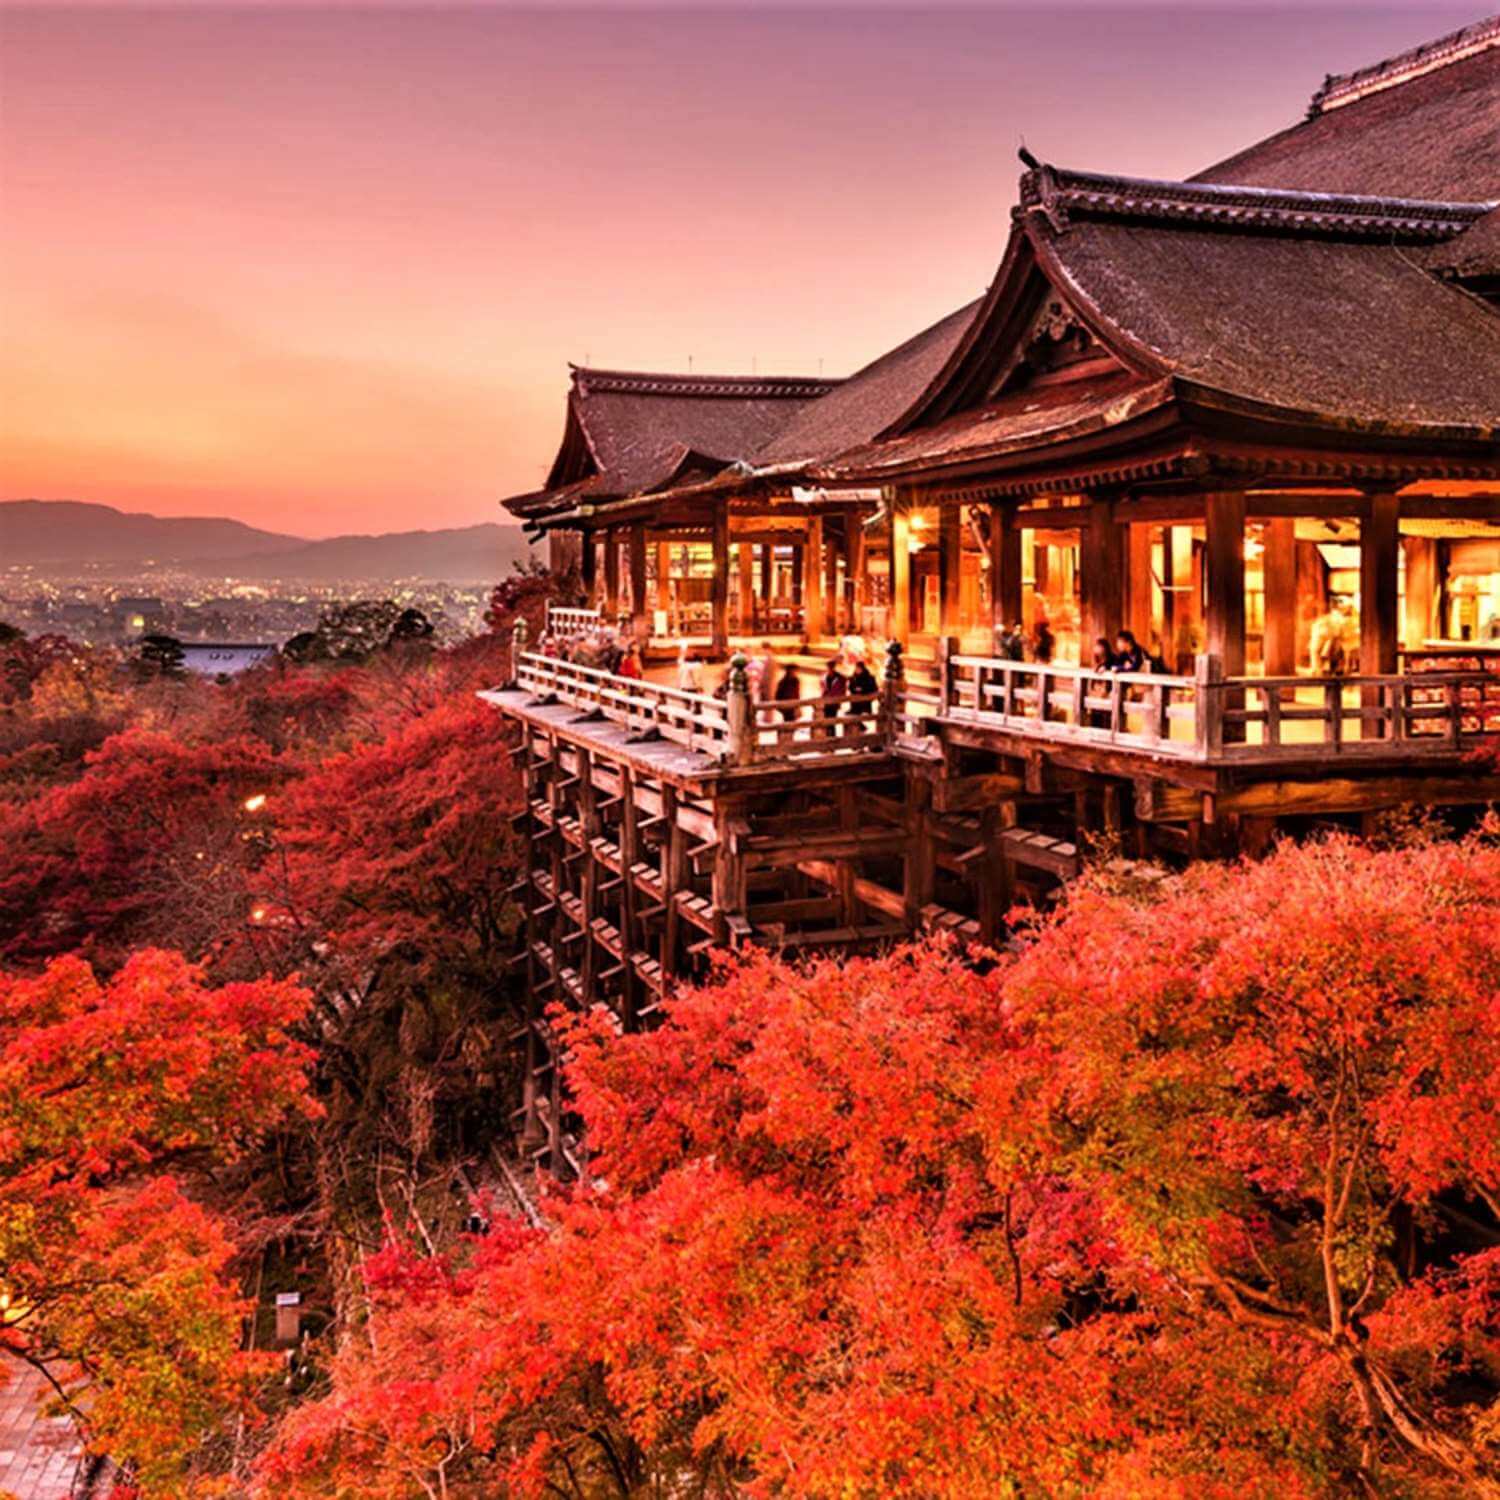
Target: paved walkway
(38,1454)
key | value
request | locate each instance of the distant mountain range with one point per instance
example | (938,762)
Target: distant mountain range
(69,535)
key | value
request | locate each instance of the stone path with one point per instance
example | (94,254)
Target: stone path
(38,1454)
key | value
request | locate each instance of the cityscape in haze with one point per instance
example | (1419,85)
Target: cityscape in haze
(105,577)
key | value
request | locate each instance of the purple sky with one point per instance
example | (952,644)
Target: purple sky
(323,268)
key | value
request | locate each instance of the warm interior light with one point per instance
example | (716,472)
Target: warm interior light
(255,803)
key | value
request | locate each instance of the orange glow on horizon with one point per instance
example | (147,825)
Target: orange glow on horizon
(322,270)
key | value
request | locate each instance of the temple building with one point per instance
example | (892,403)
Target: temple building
(1249,422)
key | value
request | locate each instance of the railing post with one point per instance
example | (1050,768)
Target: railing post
(892,690)
(947,650)
(1333,710)
(517,650)
(737,705)
(1208,705)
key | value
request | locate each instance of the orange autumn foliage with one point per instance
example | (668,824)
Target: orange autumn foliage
(1195,1194)
(118,1283)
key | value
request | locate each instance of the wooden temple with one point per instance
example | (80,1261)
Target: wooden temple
(1252,418)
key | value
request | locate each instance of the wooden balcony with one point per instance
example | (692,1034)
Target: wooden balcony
(709,733)
(1208,719)
(1428,713)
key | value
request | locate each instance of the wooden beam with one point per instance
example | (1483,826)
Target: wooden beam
(877,897)
(1225,569)
(812,583)
(1158,510)
(1379,541)
(1005,572)
(1102,574)
(719,606)
(1051,518)
(1450,507)
(950,567)
(854,570)
(1158,802)
(1138,581)
(1325,507)
(1421,589)
(951,794)
(900,573)
(611,576)
(588,564)
(918,871)
(746,555)
(640,620)
(664,575)
(1279,562)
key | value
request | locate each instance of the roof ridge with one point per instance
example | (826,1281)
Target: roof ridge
(588,381)
(1057,192)
(1344,88)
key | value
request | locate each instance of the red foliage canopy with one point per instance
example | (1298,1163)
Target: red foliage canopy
(1188,1197)
(117,1283)
(401,845)
(146,845)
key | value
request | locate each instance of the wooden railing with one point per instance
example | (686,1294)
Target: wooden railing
(648,709)
(1132,710)
(1409,714)
(1203,718)
(734,729)
(564,623)
(1207,717)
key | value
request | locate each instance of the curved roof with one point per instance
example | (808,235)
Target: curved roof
(630,431)
(1310,312)
(1425,124)
(871,399)
(1475,254)
(1304,309)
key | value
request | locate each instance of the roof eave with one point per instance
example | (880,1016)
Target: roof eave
(1199,398)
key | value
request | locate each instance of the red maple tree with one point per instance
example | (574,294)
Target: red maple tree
(118,1285)
(1184,1198)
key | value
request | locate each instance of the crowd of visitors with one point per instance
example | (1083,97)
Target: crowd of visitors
(776,688)
(603,649)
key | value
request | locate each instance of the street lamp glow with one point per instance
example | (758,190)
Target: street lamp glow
(255,803)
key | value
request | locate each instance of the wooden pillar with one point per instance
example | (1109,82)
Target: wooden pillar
(767,567)
(632,939)
(1379,603)
(920,866)
(611,577)
(1279,562)
(1005,571)
(1224,567)
(1379,540)
(640,620)
(664,575)
(1102,569)
(746,551)
(588,566)
(812,580)
(854,570)
(900,574)
(673,880)
(950,568)
(720,596)
(1137,543)
(1421,590)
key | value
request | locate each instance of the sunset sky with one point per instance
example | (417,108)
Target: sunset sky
(322,269)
